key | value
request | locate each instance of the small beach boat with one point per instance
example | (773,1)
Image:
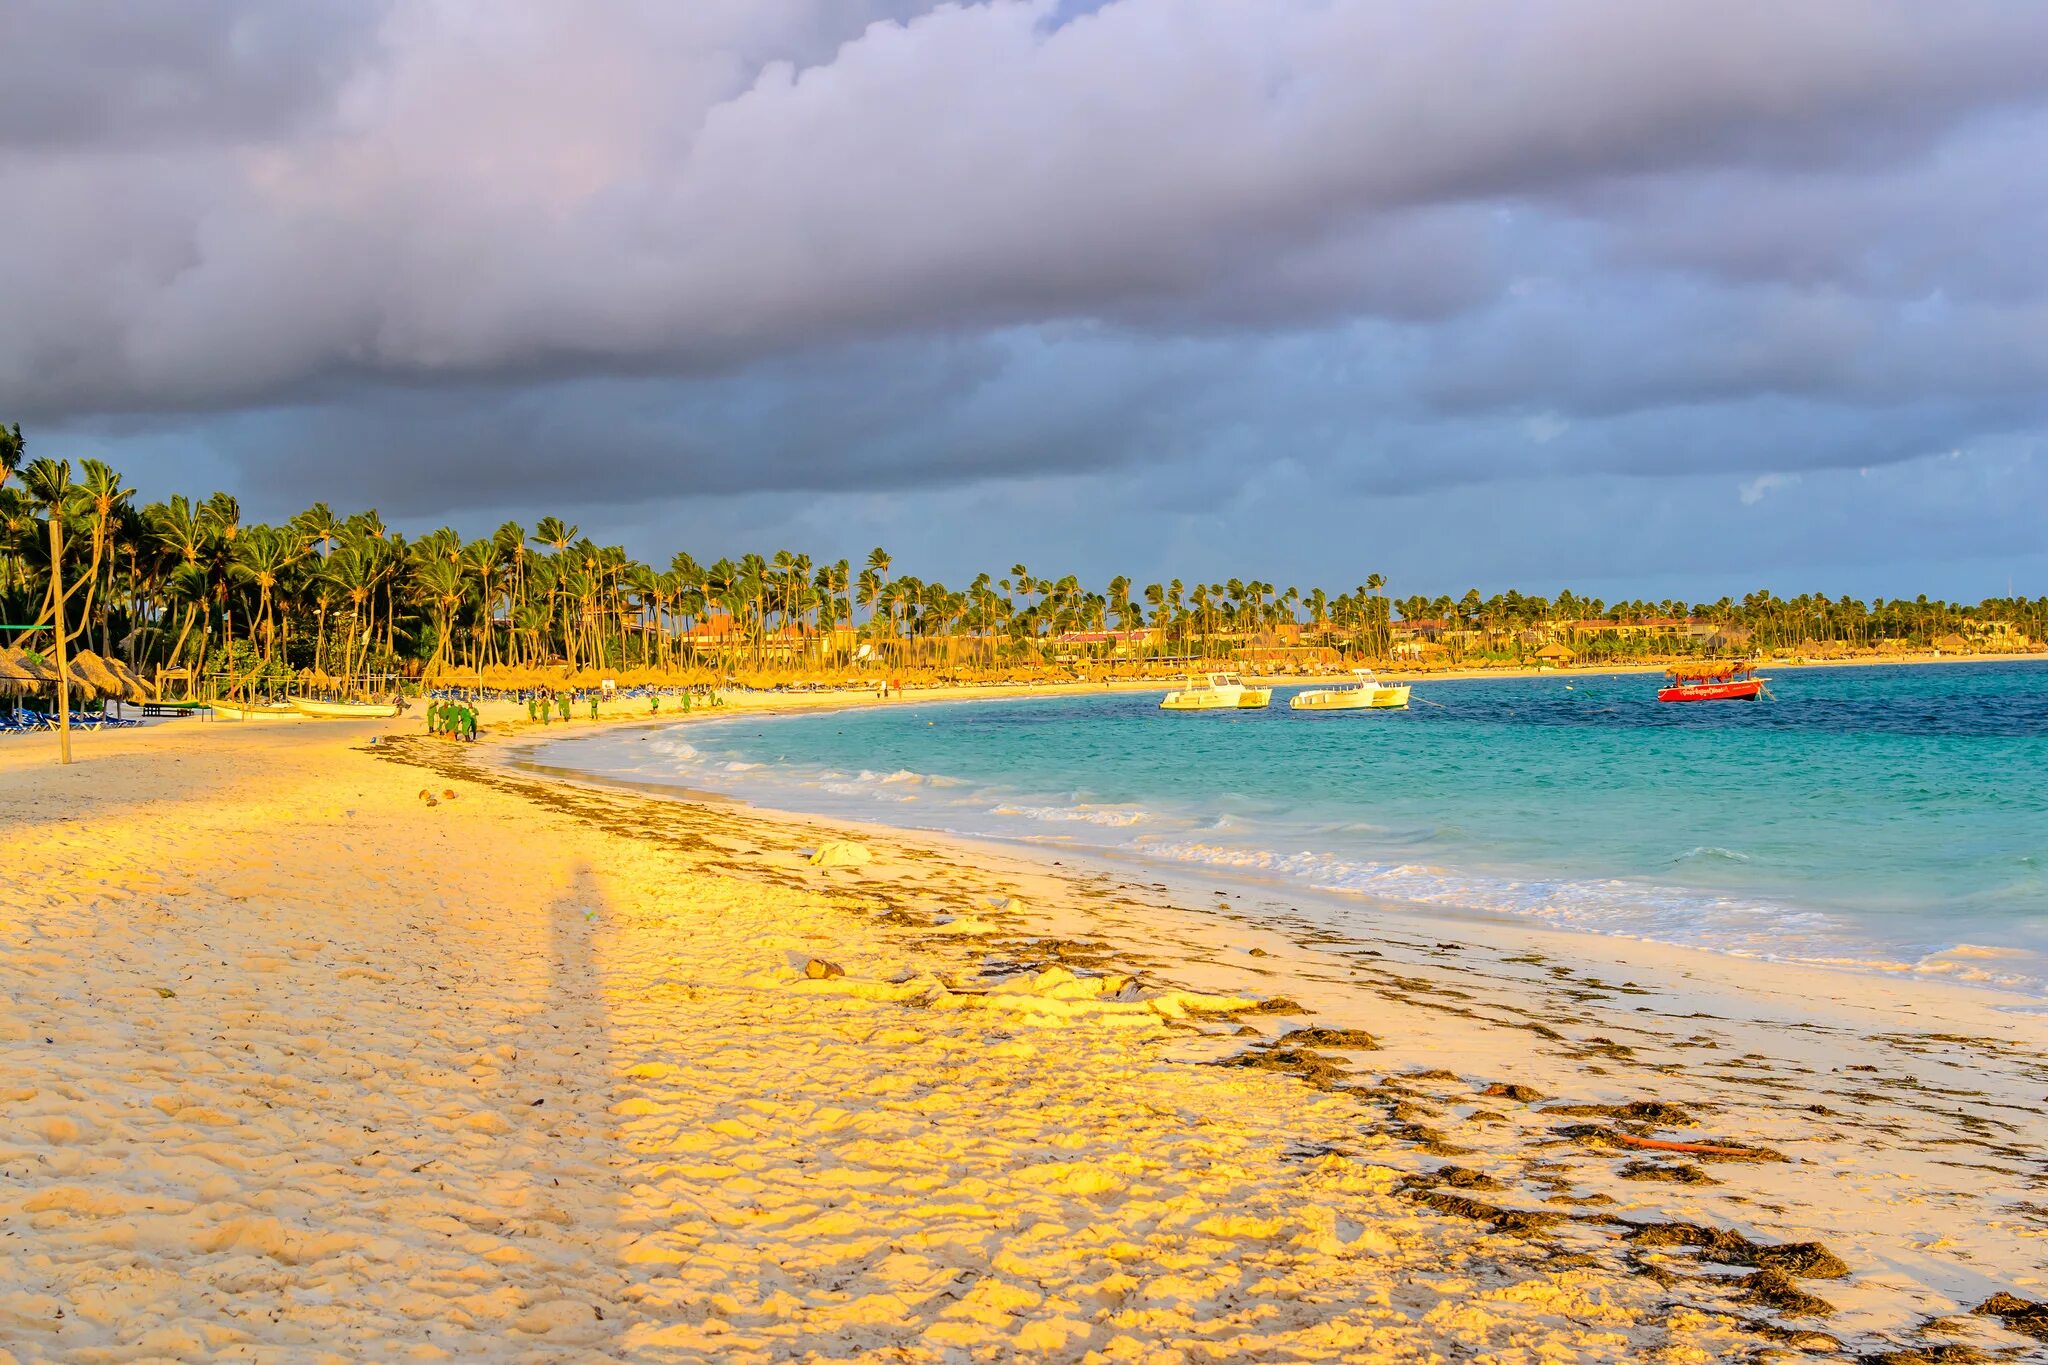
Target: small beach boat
(342,710)
(1215,692)
(1713,682)
(1367,694)
(252,710)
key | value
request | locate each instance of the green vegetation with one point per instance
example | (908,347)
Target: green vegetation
(193,584)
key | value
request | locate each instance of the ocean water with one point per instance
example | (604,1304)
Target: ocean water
(1884,818)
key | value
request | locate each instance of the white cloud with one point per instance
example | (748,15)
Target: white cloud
(1758,488)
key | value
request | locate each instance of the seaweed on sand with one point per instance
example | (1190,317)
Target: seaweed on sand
(2021,1315)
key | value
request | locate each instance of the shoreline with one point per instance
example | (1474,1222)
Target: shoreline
(1444,1166)
(1193,880)
(1958,965)
(1520,979)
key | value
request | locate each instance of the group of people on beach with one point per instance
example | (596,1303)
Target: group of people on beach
(458,719)
(541,707)
(455,719)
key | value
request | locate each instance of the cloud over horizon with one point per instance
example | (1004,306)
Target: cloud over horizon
(769,251)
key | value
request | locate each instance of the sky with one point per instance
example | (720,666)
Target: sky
(1645,300)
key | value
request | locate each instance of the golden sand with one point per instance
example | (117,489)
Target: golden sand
(312,1050)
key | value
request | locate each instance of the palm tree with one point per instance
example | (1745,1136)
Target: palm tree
(1373,632)
(353,573)
(317,523)
(441,583)
(103,496)
(48,483)
(12,448)
(878,566)
(261,558)
(484,560)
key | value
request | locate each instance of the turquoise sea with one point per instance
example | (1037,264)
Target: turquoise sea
(1888,818)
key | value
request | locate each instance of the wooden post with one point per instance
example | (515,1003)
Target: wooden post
(63,657)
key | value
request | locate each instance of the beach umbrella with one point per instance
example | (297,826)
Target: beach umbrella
(44,673)
(82,684)
(133,687)
(16,678)
(101,679)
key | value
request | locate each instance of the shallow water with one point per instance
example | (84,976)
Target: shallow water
(1893,818)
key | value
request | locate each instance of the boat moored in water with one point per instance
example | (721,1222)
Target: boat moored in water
(1367,694)
(1713,682)
(1216,692)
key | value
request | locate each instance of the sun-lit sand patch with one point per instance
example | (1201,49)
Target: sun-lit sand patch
(297,1065)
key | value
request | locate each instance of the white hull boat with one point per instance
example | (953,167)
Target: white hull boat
(252,710)
(1367,694)
(343,710)
(1216,692)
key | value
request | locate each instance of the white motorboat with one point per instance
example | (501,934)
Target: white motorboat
(1367,694)
(1216,692)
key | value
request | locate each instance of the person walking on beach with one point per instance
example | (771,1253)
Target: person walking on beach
(593,706)
(562,704)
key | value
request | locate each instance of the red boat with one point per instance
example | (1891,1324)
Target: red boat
(1713,682)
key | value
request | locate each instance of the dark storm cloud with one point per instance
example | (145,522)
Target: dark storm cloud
(819,246)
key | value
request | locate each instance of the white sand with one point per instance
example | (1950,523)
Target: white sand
(298,1066)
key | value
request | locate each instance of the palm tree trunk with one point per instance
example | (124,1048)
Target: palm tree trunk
(63,664)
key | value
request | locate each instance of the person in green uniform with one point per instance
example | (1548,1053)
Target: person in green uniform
(562,704)
(593,706)
(654,706)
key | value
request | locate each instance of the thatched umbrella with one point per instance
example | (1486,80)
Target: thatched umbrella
(101,679)
(16,679)
(134,688)
(83,686)
(44,673)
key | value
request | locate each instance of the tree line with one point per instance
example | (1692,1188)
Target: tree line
(193,583)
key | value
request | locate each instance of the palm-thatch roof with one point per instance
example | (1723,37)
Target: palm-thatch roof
(137,690)
(83,688)
(93,669)
(43,672)
(16,677)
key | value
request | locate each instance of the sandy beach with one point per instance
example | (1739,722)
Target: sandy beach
(315,1049)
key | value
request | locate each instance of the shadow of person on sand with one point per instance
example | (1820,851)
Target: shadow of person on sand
(574,1302)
